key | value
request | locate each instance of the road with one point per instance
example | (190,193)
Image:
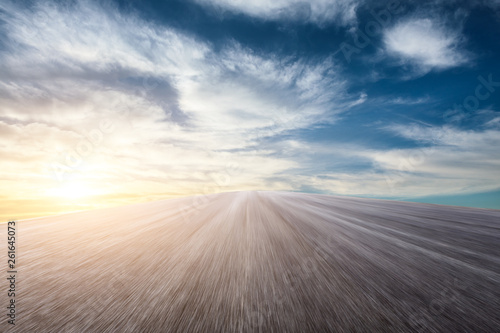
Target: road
(259,262)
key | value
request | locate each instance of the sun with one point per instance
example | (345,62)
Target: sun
(71,190)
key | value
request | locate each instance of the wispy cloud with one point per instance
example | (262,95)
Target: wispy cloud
(177,105)
(446,161)
(409,101)
(139,110)
(317,11)
(449,160)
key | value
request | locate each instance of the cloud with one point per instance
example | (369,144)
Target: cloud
(449,161)
(340,12)
(409,101)
(182,114)
(446,161)
(84,45)
(184,117)
(425,43)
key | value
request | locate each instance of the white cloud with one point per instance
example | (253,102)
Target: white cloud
(409,101)
(426,43)
(84,44)
(447,162)
(454,161)
(69,68)
(317,11)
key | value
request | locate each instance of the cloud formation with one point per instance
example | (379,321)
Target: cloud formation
(183,111)
(320,12)
(425,43)
(449,161)
(139,110)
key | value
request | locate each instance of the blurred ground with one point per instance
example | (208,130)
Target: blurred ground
(259,262)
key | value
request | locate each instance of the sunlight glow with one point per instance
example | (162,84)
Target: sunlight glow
(71,190)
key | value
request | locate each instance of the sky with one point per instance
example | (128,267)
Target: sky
(106,103)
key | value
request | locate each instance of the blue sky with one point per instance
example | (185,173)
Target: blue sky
(112,102)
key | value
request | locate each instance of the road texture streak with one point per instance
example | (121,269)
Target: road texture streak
(260,262)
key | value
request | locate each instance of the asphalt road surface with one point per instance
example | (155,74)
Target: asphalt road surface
(258,262)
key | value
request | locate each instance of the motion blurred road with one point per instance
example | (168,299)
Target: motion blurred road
(259,262)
